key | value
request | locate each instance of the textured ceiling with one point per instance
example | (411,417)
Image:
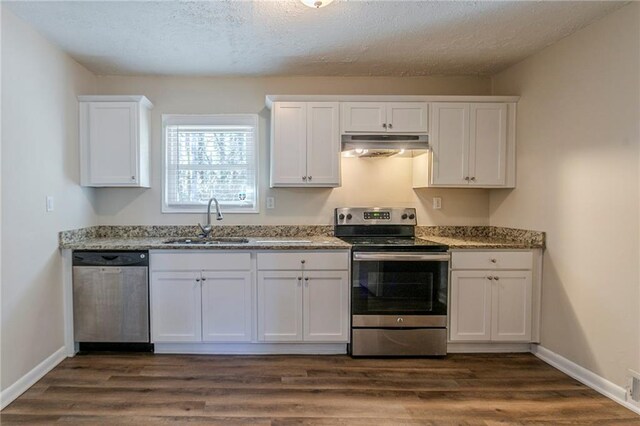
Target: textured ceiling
(284,37)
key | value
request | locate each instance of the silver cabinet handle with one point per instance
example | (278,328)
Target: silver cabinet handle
(309,177)
(466,178)
(133,178)
(197,280)
(473,179)
(490,278)
(204,279)
(494,260)
(304,178)
(306,278)
(400,320)
(303,261)
(496,278)
(407,257)
(390,125)
(384,125)
(299,278)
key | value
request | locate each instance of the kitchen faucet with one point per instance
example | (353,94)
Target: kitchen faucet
(206,230)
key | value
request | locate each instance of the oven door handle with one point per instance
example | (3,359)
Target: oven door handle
(399,257)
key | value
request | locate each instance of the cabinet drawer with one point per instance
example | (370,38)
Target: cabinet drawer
(198,260)
(312,260)
(491,259)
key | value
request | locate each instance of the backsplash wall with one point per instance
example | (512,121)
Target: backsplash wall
(365,182)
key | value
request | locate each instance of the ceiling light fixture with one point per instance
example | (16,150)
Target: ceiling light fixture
(316,3)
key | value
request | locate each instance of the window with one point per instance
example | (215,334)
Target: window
(210,156)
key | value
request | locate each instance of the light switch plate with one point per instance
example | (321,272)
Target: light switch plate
(49,203)
(437,203)
(271,202)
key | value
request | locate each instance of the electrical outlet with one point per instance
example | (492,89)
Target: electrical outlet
(49,203)
(271,202)
(437,203)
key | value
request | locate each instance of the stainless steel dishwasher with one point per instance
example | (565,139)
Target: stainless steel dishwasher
(111,297)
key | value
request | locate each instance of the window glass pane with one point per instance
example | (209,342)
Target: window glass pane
(210,160)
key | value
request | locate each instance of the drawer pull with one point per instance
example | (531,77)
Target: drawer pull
(494,260)
(496,278)
(490,278)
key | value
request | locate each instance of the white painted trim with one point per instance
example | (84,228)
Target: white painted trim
(143,100)
(465,347)
(21,385)
(270,99)
(251,348)
(584,376)
(67,303)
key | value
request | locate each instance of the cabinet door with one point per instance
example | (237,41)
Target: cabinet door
(280,306)
(113,152)
(226,306)
(449,141)
(407,117)
(288,144)
(470,306)
(511,318)
(323,144)
(488,144)
(364,117)
(326,306)
(175,307)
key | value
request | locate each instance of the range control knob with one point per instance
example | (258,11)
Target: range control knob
(349,216)
(341,216)
(412,216)
(404,216)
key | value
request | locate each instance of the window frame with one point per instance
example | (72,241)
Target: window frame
(209,119)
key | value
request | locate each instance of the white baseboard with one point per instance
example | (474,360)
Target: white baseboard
(471,348)
(251,348)
(8,395)
(586,377)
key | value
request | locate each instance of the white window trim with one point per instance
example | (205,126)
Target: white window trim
(169,119)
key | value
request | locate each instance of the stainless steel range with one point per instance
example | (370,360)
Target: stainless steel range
(398,284)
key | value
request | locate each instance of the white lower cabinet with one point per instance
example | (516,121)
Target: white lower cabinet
(470,306)
(280,306)
(226,306)
(302,305)
(201,305)
(491,305)
(176,307)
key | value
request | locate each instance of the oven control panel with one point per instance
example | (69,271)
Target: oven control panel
(375,216)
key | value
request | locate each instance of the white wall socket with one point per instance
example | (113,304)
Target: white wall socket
(437,203)
(271,202)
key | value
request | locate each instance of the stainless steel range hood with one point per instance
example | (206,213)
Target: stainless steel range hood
(384,145)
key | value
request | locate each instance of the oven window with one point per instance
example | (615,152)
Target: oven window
(396,287)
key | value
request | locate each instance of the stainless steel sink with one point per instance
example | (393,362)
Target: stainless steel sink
(207,241)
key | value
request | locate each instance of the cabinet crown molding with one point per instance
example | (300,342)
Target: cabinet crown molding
(116,98)
(270,99)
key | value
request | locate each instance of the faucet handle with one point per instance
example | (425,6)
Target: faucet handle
(206,230)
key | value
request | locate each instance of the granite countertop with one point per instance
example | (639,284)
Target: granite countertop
(285,237)
(155,237)
(264,243)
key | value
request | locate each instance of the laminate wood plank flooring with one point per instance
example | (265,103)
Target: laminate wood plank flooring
(461,389)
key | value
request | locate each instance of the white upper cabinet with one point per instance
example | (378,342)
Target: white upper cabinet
(472,145)
(305,144)
(384,117)
(114,140)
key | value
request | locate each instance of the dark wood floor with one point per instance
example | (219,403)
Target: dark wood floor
(136,389)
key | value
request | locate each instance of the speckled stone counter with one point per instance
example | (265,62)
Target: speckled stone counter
(285,237)
(155,237)
(482,237)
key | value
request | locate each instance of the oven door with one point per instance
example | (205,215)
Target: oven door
(399,283)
